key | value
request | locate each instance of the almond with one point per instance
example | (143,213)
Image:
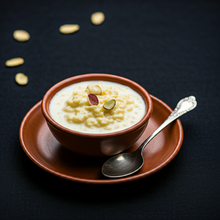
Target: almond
(14,62)
(21,79)
(97,18)
(69,28)
(21,35)
(94,89)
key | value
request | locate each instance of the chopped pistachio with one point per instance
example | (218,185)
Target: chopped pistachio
(109,104)
(93,100)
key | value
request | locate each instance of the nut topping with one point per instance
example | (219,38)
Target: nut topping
(109,104)
(93,100)
(94,89)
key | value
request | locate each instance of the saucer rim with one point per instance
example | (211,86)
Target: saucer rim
(102,181)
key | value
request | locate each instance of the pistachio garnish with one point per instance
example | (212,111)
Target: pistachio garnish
(109,104)
(93,99)
(94,89)
(21,79)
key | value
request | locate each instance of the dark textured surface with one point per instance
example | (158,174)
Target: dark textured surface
(171,48)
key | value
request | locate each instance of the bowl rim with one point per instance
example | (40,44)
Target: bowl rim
(92,77)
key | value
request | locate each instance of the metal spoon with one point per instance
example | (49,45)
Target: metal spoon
(125,164)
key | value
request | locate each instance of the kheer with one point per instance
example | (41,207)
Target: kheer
(71,107)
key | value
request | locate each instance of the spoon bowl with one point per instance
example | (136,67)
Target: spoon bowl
(125,164)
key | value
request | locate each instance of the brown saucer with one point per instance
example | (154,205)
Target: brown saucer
(44,150)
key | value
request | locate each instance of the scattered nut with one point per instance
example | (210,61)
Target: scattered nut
(69,28)
(97,18)
(21,35)
(109,104)
(14,62)
(21,79)
(93,100)
(94,89)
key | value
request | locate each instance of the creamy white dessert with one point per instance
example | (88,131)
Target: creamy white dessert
(118,107)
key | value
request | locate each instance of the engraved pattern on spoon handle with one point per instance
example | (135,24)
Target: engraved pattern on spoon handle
(183,106)
(181,109)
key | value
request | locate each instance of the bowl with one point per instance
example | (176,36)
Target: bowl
(99,144)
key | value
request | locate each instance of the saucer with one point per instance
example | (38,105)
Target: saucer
(45,151)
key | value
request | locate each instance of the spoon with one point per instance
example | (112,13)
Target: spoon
(125,164)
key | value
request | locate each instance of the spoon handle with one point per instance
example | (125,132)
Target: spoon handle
(184,105)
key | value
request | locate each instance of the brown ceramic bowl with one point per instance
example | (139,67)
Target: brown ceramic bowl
(97,145)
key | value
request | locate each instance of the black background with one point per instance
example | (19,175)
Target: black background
(171,48)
